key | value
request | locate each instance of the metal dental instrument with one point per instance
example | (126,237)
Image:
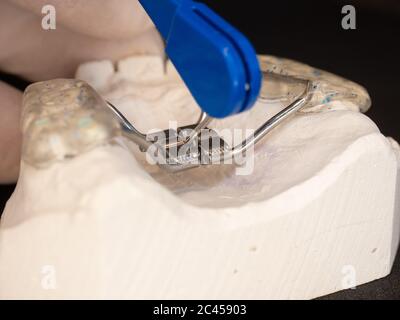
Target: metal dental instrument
(175,152)
(221,69)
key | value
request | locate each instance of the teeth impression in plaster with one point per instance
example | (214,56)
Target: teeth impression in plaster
(89,209)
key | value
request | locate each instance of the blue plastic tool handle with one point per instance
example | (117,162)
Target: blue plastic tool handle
(217,63)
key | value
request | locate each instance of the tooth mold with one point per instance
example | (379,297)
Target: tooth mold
(90,218)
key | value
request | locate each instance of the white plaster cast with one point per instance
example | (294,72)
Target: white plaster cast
(323,200)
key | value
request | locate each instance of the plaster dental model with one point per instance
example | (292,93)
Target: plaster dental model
(91,218)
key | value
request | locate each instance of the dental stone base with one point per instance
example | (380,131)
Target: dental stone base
(132,246)
(321,213)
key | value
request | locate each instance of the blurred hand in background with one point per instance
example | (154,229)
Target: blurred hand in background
(86,30)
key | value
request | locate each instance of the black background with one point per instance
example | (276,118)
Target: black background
(310,31)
